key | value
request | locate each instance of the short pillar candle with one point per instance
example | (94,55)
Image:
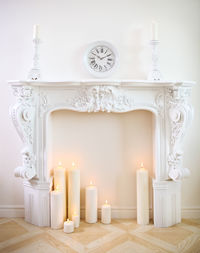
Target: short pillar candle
(106,213)
(142,196)
(68,226)
(57,209)
(91,203)
(76,220)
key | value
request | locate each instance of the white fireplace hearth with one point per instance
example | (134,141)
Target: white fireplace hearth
(168,101)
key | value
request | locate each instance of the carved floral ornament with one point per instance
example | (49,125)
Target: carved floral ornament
(102,98)
(169,103)
(180,116)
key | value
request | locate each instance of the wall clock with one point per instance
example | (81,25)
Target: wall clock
(101,58)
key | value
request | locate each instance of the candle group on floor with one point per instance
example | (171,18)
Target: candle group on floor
(60,193)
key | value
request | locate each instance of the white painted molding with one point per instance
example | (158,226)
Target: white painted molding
(15,211)
(190,212)
(11,211)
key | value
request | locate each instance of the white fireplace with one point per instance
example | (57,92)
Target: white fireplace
(168,101)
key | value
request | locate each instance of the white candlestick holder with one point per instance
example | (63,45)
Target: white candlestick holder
(155,74)
(34,73)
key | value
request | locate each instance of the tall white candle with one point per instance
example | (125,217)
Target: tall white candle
(73,191)
(60,180)
(154,30)
(91,203)
(106,213)
(57,209)
(36,32)
(142,196)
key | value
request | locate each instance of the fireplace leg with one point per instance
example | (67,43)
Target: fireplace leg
(167,203)
(36,203)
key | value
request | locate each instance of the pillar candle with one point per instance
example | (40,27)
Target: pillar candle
(57,209)
(91,203)
(60,180)
(68,226)
(36,32)
(76,220)
(73,191)
(106,213)
(154,31)
(142,196)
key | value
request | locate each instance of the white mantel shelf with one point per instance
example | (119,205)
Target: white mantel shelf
(172,114)
(129,83)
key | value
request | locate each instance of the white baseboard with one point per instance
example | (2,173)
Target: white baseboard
(119,213)
(190,212)
(11,211)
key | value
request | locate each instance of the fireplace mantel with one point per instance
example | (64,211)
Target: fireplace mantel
(167,100)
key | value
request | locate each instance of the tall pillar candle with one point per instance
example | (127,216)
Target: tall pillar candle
(106,213)
(91,203)
(60,181)
(142,196)
(57,218)
(73,191)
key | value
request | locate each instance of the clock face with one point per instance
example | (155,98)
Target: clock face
(101,58)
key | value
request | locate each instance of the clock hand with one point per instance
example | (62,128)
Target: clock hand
(101,58)
(97,56)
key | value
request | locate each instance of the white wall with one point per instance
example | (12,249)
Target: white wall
(66,29)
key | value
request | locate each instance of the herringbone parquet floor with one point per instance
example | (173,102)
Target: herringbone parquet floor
(122,236)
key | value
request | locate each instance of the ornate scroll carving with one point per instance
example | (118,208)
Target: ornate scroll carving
(180,115)
(23,113)
(27,170)
(102,98)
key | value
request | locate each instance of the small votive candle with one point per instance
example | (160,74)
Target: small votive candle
(76,220)
(68,226)
(106,213)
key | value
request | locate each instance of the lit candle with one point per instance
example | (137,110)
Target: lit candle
(36,32)
(73,191)
(76,220)
(57,209)
(91,203)
(106,213)
(154,30)
(142,196)
(60,179)
(68,226)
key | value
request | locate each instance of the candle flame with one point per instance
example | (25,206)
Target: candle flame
(67,220)
(106,201)
(73,164)
(59,164)
(91,182)
(142,165)
(57,188)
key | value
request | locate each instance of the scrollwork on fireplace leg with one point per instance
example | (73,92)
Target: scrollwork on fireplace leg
(180,115)
(23,115)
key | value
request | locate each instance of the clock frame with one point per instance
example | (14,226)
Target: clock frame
(101,59)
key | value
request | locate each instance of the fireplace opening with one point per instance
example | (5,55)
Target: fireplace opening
(108,148)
